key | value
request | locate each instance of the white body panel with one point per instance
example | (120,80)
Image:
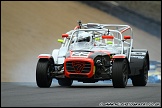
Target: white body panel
(59,55)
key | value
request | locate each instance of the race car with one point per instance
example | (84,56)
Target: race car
(95,52)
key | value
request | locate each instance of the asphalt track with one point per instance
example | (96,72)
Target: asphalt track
(78,95)
(31,28)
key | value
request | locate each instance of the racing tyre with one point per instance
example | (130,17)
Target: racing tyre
(43,70)
(120,73)
(65,82)
(141,80)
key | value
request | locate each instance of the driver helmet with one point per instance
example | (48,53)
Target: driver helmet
(84,37)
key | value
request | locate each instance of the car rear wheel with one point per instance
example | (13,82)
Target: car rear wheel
(43,70)
(141,80)
(65,82)
(120,73)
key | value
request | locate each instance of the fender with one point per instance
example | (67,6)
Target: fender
(136,64)
(119,56)
(137,61)
(61,55)
(55,55)
(48,56)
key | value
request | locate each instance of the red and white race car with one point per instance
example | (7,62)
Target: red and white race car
(92,52)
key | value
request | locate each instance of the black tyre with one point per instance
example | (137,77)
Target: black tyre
(120,73)
(141,80)
(65,82)
(43,70)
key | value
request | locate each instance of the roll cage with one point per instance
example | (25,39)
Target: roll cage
(121,36)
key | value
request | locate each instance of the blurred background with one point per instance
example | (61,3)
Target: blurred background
(29,28)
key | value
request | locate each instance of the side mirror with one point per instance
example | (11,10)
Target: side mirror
(107,37)
(60,40)
(127,37)
(65,35)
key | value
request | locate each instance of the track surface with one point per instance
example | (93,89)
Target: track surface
(31,28)
(78,95)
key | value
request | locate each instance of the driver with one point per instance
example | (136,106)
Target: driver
(84,37)
(83,40)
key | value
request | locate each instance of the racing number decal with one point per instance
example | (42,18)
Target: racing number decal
(80,54)
(78,66)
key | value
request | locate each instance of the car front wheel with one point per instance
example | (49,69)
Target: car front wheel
(43,70)
(120,73)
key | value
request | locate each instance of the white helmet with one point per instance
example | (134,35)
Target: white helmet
(84,37)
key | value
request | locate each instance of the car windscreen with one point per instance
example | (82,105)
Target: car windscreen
(81,46)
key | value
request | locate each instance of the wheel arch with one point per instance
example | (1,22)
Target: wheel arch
(137,63)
